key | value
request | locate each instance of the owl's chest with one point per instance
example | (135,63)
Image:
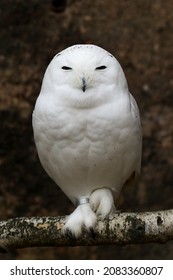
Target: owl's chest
(88,133)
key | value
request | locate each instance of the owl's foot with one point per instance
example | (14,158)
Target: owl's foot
(81,217)
(102,202)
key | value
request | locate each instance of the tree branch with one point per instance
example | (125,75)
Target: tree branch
(119,229)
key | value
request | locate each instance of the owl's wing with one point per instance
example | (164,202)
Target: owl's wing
(137,122)
(132,180)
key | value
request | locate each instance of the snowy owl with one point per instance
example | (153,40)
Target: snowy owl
(87,131)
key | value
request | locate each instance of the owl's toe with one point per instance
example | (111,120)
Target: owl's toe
(82,217)
(102,202)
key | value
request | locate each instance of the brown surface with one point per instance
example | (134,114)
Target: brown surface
(139,34)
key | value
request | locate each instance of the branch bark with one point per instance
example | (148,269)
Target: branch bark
(119,229)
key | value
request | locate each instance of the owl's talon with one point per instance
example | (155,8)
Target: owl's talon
(69,234)
(92,233)
(82,217)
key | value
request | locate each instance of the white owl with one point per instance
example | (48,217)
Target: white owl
(87,131)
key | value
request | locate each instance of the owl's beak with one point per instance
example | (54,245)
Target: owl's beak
(83,84)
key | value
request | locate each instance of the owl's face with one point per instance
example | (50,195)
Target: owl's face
(85,70)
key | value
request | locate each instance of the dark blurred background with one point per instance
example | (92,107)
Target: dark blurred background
(139,34)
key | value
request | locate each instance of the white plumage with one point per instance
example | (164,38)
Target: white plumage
(87,131)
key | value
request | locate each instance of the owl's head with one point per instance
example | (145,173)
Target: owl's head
(83,73)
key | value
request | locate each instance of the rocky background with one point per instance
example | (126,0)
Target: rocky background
(139,34)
